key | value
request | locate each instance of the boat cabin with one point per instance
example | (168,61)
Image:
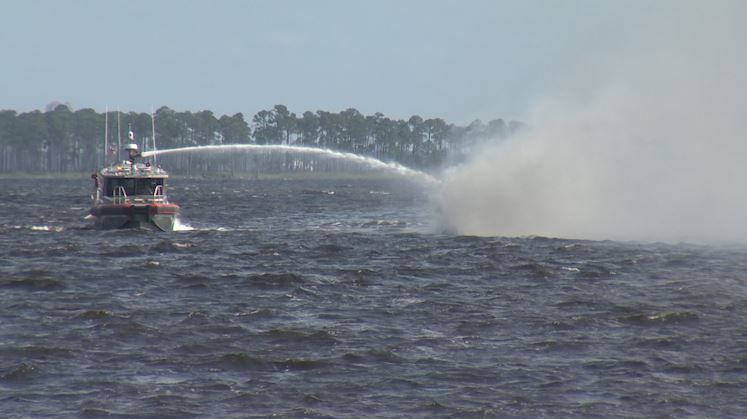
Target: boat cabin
(132,186)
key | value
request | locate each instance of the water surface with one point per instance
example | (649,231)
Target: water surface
(338,298)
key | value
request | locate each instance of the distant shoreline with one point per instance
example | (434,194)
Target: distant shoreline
(45,175)
(85,176)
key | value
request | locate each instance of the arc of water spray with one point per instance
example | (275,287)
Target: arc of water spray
(368,161)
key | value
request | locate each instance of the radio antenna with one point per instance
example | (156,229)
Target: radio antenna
(119,134)
(106,135)
(153,129)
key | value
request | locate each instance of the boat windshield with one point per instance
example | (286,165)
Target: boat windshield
(134,186)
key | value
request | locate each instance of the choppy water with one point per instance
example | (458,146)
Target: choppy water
(329,298)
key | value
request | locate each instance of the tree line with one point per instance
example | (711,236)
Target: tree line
(63,140)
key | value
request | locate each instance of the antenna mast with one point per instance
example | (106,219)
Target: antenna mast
(119,134)
(153,129)
(106,135)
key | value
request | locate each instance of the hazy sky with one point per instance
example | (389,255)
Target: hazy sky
(458,60)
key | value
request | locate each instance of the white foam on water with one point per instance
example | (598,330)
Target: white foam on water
(55,229)
(179,225)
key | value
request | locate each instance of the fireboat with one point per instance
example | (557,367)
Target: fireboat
(132,194)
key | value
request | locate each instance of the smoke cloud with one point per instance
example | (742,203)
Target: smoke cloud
(646,142)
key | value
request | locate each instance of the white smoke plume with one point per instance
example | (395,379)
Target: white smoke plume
(649,143)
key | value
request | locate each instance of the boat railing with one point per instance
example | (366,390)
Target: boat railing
(120,195)
(158,195)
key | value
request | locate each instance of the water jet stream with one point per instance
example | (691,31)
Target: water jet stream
(357,158)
